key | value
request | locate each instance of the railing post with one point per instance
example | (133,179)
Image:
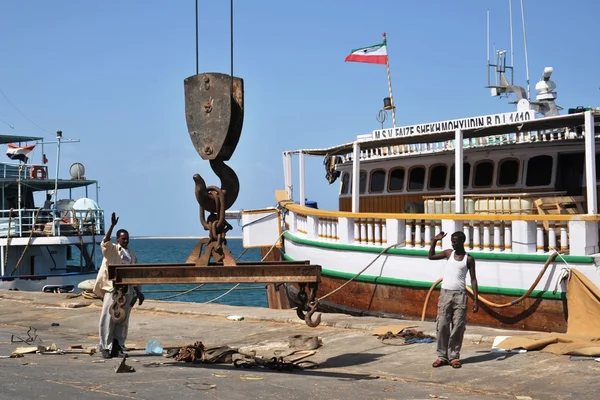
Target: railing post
(346,230)
(583,237)
(524,237)
(293,222)
(312,227)
(395,231)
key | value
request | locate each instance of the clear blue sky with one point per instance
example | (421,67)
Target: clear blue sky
(110,73)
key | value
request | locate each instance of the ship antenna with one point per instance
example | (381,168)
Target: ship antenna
(526,53)
(488,42)
(512,51)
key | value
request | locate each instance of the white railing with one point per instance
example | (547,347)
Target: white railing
(525,234)
(370,231)
(34,222)
(423,148)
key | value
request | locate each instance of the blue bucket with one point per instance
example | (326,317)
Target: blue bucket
(309,203)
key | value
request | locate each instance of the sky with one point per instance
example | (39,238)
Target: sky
(110,74)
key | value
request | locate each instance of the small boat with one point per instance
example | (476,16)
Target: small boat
(49,227)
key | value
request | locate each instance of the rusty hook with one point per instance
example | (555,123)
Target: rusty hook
(230,186)
(309,314)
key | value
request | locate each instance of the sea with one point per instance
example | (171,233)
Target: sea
(175,250)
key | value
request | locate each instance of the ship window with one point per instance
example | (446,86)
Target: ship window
(508,172)
(539,171)
(377,181)
(416,178)
(345,183)
(362,185)
(437,176)
(466,175)
(484,174)
(396,180)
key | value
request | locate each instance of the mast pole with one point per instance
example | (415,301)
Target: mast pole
(389,77)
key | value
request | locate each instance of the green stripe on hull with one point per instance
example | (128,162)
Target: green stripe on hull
(418,252)
(543,294)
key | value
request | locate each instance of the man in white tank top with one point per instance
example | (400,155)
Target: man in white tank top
(452,303)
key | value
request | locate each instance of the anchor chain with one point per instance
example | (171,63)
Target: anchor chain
(213,201)
(117,312)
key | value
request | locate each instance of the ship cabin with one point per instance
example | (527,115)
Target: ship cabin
(512,164)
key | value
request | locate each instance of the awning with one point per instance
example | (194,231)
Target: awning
(44,184)
(542,124)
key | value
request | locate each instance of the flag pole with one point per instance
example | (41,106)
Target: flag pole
(389,76)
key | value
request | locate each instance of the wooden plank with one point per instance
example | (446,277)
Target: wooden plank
(145,274)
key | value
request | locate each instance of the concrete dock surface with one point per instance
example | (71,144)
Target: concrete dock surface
(352,363)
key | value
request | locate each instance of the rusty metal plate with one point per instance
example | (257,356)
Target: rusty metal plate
(214,113)
(276,272)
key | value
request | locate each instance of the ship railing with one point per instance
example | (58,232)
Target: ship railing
(549,135)
(575,234)
(36,222)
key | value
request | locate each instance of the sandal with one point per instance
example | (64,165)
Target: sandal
(455,364)
(438,363)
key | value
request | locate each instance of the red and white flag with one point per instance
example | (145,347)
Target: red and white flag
(20,153)
(376,54)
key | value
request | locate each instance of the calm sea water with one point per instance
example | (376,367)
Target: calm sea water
(177,251)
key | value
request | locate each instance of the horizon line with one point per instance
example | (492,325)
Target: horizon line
(180,237)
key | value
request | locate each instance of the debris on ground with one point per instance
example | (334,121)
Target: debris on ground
(31,337)
(25,350)
(406,337)
(382,330)
(193,353)
(274,363)
(305,342)
(52,349)
(122,367)
(282,360)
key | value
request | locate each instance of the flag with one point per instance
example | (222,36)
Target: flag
(376,54)
(15,152)
(44,159)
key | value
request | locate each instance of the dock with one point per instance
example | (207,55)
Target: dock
(349,363)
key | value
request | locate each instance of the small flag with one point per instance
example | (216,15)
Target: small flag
(15,152)
(376,54)
(45,159)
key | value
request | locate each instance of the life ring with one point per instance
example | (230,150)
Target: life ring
(38,172)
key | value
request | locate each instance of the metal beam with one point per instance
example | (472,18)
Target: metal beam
(264,272)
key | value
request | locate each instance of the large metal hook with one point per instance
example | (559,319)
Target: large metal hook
(230,185)
(309,314)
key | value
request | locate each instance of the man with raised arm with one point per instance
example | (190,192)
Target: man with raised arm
(112,335)
(452,304)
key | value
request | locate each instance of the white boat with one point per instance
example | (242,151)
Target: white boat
(521,185)
(46,246)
